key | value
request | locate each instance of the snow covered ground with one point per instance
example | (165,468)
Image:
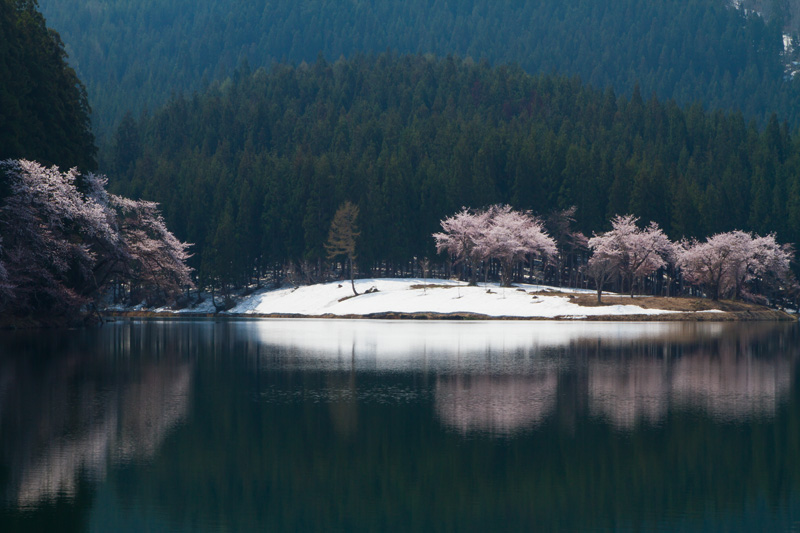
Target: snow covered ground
(409,296)
(401,296)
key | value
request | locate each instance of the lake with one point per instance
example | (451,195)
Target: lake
(335,425)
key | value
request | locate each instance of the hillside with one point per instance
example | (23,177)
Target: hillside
(252,170)
(134,54)
(63,239)
(44,111)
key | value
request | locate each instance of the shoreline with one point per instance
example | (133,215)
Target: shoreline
(422,299)
(762,315)
(759,315)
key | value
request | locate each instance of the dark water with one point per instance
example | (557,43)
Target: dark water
(400,426)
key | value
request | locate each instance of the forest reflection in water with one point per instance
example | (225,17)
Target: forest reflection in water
(305,407)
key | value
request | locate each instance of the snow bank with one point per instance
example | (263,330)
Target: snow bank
(407,296)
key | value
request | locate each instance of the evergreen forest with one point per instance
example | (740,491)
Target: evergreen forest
(64,241)
(685,121)
(44,109)
(135,54)
(253,169)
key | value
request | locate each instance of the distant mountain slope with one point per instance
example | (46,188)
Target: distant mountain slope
(135,53)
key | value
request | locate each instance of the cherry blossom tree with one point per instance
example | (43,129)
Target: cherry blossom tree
(772,267)
(156,258)
(61,245)
(713,264)
(603,265)
(498,232)
(511,237)
(725,263)
(46,225)
(635,252)
(460,236)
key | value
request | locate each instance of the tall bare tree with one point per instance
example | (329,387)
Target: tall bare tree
(342,236)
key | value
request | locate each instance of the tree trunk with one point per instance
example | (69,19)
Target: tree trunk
(352,277)
(505,274)
(472,274)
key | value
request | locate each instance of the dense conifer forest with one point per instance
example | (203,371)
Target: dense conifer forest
(64,241)
(252,170)
(44,110)
(134,54)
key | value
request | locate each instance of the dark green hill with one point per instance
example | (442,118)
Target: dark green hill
(44,113)
(136,53)
(253,169)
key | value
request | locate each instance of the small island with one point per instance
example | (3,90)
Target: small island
(411,298)
(737,273)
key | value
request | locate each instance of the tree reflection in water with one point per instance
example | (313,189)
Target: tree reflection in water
(724,376)
(77,413)
(360,425)
(628,381)
(495,404)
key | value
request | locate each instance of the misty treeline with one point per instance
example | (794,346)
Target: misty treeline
(133,54)
(252,170)
(65,242)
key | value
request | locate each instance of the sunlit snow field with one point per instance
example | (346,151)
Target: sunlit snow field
(415,295)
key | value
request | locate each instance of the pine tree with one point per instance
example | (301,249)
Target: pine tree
(342,236)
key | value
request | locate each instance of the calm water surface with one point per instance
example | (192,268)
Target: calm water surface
(400,426)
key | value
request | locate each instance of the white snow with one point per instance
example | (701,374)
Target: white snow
(400,296)
(206,307)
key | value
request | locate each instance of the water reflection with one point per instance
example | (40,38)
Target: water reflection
(732,389)
(358,425)
(724,376)
(630,392)
(495,404)
(636,391)
(503,377)
(449,345)
(73,415)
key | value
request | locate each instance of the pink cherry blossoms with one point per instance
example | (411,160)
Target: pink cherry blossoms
(632,252)
(62,245)
(461,236)
(499,233)
(725,263)
(156,258)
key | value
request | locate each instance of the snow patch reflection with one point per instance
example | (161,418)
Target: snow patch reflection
(504,377)
(495,346)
